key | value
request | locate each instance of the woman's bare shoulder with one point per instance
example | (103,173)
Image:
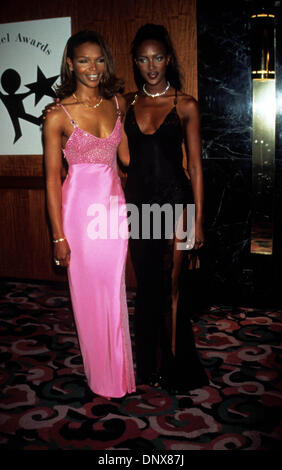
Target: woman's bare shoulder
(121,101)
(186,100)
(187,105)
(54,112)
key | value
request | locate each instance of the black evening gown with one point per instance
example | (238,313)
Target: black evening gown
(156,175)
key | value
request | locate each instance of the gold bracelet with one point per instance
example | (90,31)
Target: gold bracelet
(58,240)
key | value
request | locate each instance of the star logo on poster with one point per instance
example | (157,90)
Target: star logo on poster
(43,86)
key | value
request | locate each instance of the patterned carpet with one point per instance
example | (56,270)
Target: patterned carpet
(45,403)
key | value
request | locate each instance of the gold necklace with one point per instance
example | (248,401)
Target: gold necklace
(94,106)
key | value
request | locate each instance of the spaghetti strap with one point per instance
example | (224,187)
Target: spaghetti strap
(68,114)
(175,98)
(118,110)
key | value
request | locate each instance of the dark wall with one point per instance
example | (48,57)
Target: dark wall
(232,275)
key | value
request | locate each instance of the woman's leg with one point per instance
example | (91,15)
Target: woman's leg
(180,360)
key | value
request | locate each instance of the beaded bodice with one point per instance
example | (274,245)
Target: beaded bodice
(83,147)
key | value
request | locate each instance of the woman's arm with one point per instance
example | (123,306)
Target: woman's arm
(192,139)
(52,134)
(123,150)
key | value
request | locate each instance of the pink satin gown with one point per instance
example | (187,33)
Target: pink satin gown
(95,225)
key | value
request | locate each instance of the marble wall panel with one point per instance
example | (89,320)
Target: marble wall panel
(225,98)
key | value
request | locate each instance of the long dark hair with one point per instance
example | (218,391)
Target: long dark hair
(158,33)
(108,86)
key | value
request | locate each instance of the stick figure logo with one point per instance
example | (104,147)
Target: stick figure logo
(11,82)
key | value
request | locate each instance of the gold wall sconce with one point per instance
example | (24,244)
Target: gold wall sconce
(263,131)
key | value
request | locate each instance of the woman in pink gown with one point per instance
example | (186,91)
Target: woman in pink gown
(88,212)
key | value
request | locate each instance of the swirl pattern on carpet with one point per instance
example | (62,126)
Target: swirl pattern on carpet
(46,403)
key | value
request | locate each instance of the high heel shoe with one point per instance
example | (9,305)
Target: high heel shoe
(157,380)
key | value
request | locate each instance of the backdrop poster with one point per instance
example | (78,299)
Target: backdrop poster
(31,54)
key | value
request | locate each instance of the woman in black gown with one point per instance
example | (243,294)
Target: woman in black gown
(159,119)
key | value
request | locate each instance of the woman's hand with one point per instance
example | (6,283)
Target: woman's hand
(50,107)
(61,253)
(199,236)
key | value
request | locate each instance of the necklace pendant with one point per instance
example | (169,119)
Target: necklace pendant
(86,104)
